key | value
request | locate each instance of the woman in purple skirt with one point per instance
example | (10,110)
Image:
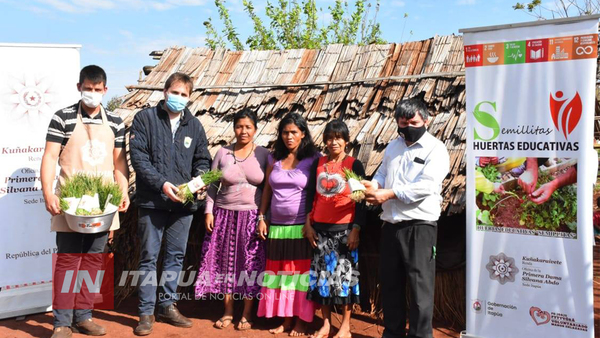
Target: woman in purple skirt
(232,253)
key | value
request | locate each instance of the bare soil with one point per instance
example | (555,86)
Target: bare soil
(122,321)
(508,213)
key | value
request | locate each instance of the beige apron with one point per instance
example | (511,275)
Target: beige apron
(89,150)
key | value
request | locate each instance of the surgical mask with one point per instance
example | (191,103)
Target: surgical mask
(176,103)
(91,99)
(412,134)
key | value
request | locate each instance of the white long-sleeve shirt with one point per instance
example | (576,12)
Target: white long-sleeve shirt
(415,174)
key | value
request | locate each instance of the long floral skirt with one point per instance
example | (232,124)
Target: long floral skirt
(233,256)
(334,270)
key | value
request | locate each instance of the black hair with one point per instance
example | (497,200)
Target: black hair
(92,73)
(180,77)
(408,108)
(307,147)
(245,113)
(335,129)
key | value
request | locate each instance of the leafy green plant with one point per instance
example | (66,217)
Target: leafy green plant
(186,195)
(213,38)
(561,208)
(490,200)
(491,174)
(484,217)
(114,103)
(295,24)
(110,188)
(64,205)
(356,195)
(263,37)
(81,184)
(558,9)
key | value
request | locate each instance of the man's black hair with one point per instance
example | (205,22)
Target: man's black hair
(408,108)
(92,73)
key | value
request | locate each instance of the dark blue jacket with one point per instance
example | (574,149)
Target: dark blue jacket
(157,158)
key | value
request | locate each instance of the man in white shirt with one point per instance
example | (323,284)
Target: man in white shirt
(408,185)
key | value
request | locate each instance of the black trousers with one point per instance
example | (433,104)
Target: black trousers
(407,254)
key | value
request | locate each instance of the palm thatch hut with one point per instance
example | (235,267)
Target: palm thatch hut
(359,84)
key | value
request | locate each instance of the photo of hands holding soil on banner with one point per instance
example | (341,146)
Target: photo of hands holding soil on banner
(527,195)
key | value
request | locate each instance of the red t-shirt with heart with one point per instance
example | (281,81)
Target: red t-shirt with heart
(332,204)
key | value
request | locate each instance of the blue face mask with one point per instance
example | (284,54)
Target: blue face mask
(176,103)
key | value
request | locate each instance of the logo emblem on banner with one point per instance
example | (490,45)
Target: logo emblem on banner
(493,54)
(502,268)
(566,112)
(537,50)
(585,46)
(477,306)
(487,120)
(557,319)
(30,97)
(539,317)
(474,56)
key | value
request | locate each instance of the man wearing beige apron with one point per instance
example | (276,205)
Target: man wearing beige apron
(82,138)
(168,147)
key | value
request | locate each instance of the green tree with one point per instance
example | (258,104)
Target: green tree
(559,9)
(295,24)
(114,103)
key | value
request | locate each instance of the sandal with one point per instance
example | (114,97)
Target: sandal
(222,322)
(241,325)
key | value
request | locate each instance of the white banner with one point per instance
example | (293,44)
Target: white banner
(35,81)
(531,167)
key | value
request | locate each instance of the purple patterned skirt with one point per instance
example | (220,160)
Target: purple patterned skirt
(233,256)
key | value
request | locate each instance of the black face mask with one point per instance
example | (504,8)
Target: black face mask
(412,134)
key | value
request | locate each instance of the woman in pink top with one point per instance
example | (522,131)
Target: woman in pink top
(232,254)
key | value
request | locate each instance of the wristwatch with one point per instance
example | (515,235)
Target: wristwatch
(261,217)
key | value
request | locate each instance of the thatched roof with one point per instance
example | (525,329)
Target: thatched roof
(360,84)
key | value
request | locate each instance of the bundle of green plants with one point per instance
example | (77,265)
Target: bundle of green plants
(80,184)
(88,188)
(110,189)
(187,190)
(357,189)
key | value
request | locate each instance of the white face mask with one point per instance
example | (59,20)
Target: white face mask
(91,99)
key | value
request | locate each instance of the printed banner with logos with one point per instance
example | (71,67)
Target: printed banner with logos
(531,168)
(35,82)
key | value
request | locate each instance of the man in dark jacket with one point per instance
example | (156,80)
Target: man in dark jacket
(168,147)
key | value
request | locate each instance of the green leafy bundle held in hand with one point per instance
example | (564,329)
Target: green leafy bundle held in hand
(357,188)
(81,184)
(186,191)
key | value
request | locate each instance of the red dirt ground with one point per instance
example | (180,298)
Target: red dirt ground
(120,322)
